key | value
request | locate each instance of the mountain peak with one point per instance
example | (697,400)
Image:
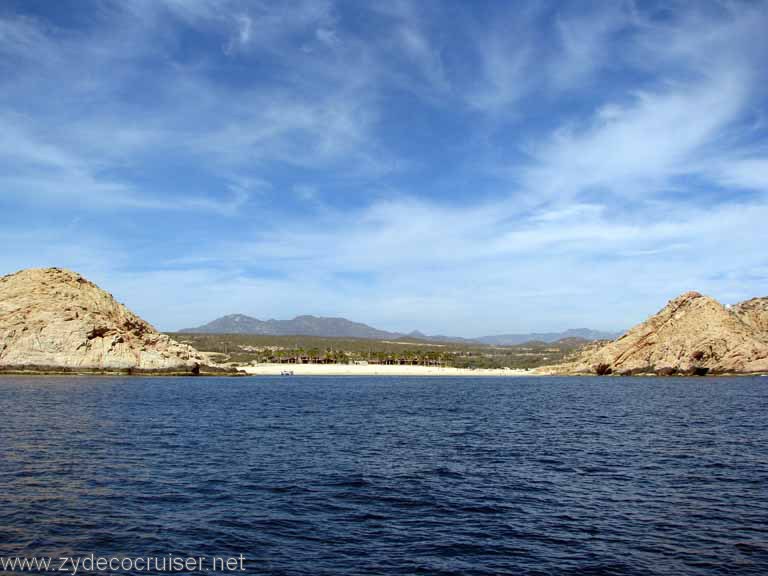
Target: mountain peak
(304,325)
(417,334)
(38,275)
(690,295)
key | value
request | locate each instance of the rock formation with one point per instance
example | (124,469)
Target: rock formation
(56,319)
(693,334)
(754,313)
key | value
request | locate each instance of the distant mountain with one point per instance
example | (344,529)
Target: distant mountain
(418,335)
(548,337)
(343,328)
(301,325)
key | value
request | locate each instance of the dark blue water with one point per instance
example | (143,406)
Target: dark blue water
(374,476)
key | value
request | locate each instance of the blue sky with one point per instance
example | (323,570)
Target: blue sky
(458,167)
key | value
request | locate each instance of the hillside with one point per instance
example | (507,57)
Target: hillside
(303,325)
(342,328)
(53,319)
(692,334)
(754,313)
(248,348)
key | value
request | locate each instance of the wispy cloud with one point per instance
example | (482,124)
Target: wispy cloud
(443,166)
(585,43)
(635,148)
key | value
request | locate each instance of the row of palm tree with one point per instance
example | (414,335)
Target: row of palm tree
(333,356)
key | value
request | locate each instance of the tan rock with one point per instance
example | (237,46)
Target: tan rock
(754,313)
(693,333)
(56,318)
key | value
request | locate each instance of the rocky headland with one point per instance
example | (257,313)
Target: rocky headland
(55,321)
(692,335)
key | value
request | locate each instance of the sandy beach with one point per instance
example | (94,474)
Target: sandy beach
(375,370)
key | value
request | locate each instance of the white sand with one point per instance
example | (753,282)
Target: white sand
(375,370)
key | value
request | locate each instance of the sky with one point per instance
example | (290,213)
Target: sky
(462,168)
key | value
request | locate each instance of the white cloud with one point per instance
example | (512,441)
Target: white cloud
(225,128)
(306,192)
(505,79)
(242,36)
(748,173)
(327,36)
(586,43)
(634,149)
(42,172)
(474,268)
(253,25)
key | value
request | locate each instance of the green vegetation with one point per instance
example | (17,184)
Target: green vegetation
(247,348)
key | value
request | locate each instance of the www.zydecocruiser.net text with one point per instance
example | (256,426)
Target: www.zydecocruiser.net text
(92,564)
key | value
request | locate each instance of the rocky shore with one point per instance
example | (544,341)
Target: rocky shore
(693,335)
(54,321)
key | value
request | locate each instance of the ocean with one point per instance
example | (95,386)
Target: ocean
(341,476)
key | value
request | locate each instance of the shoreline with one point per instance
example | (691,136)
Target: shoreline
(268,369)
(34,370)
(365,370)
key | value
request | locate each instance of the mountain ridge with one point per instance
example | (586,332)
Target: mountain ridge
(337,327)
(547,337)
(305,325)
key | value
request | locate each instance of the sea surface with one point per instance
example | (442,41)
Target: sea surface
(316,476)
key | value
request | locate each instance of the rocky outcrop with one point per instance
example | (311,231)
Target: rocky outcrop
(692,334)
(54,319)
(754,313)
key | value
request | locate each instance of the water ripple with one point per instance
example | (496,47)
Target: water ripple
(392,476)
